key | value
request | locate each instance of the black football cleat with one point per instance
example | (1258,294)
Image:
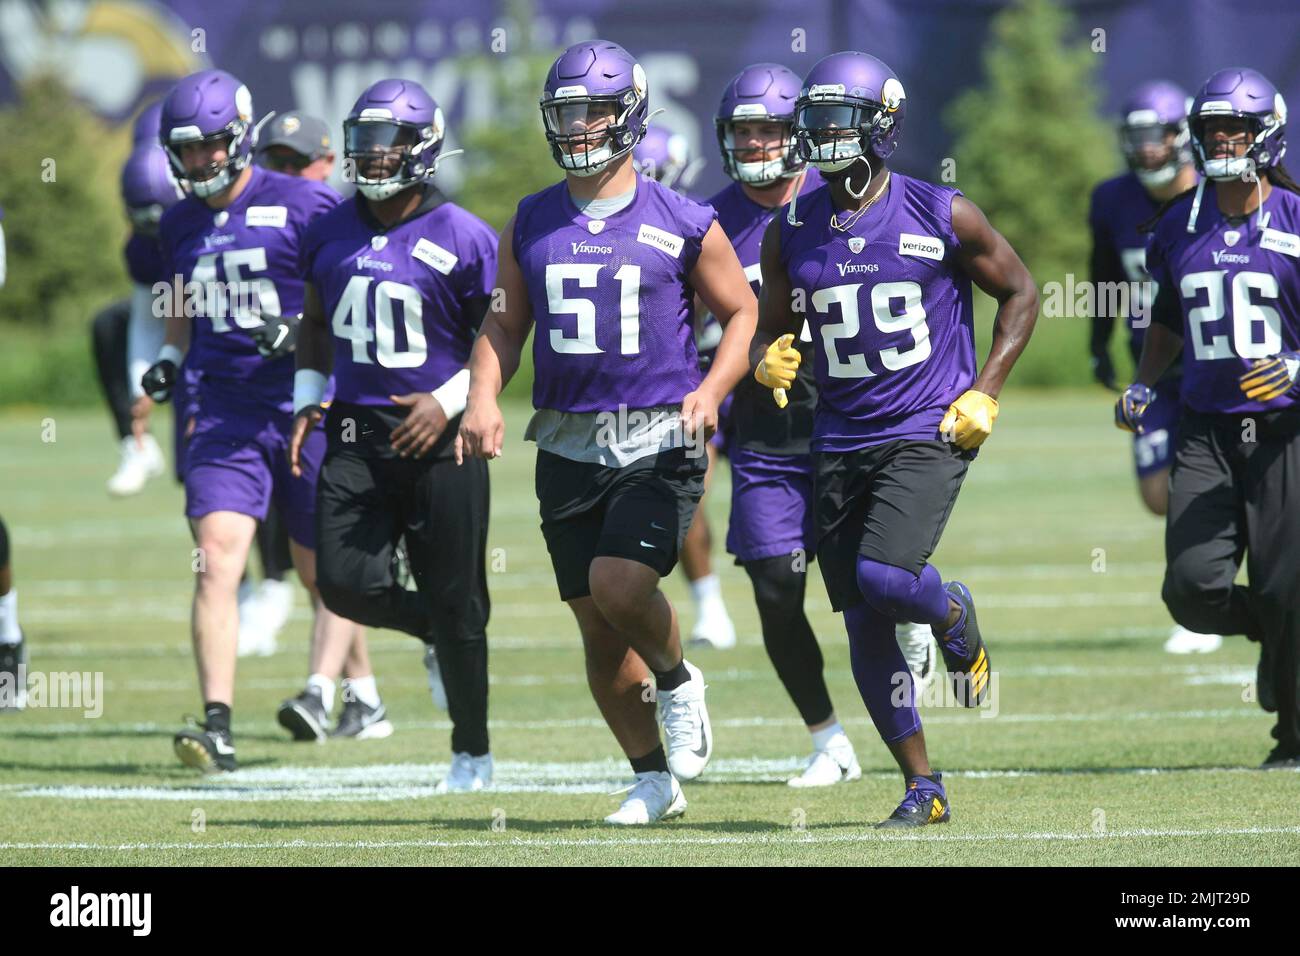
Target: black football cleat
(13,675)
(362,722)
(1280,759)
(212,751)
(964,653)
(305,716)
(924,804)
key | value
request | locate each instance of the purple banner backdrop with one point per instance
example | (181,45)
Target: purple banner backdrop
(318,55)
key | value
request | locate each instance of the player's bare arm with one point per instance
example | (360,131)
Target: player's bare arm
(315,357)
(722,287)
(772,354)
(993,265)
(495,358)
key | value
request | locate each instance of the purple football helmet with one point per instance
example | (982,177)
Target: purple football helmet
(851,107)
(1150,115)
(661,155)
(146,125)
(762,93)
(148,187)
(204,106)
(1246,94)
(398,125)
(594,84)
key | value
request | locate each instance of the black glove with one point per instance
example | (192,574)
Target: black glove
(1103,370)
(158,381)
(277,337)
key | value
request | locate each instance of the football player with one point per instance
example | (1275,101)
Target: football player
(398,280)
(606,263)
(663,156)
(232,246)
(126,334)
(13,647)
(1154,136)
(1226,258)
(884,263)
(770,527)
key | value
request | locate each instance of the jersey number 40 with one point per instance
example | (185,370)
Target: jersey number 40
(350,322)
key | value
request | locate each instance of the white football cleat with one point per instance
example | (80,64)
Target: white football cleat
(685,721)
(837,763)
(1183,641)
(467,774)
(437,690)
(714,628)
(139,463)
(655,796)
(916,641)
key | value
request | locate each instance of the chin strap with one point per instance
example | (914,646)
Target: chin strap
(433,167)
(1196,205)
(848,180)
(1261,217)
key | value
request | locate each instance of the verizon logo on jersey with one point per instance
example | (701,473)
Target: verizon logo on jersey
(661,240)
(927,247)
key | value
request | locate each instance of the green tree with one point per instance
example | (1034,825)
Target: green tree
(1029,147)
(63,221)
(64,229)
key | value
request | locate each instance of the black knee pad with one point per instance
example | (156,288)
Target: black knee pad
(777,586)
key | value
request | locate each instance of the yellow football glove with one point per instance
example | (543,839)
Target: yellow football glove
(970,419)
(1271,378)
(779,366)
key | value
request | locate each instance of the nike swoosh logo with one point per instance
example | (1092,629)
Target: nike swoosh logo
(704,742)
(222,747)
(647,544)
(657,527)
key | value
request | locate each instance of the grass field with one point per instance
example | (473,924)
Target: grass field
(1104,749)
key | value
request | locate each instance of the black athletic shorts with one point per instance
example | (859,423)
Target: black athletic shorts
(640,512)
(888,502)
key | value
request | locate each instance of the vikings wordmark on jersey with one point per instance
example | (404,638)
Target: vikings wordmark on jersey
(892,310)
(611,298)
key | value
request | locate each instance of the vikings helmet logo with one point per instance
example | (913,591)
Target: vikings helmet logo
(892,95)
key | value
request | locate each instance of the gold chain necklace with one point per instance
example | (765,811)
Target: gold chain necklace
(854,216)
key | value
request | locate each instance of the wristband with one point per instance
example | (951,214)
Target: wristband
(453,394)
(308,388)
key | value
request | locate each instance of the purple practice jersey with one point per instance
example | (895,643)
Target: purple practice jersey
(612,298)
(1238,294)
(890,314)
(1118,207)
(404,303)
(755,419)
(239,262)
(144,262)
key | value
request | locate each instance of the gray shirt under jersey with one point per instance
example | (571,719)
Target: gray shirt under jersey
(614,439)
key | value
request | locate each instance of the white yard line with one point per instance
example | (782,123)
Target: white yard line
(663,837)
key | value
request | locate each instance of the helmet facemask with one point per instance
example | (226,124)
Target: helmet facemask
(1139,140)
(214,177)
(1233,166)
(602,131)
(765,170)
(387,155)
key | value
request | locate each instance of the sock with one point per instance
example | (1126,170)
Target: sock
(216,716)
(365,690)
(326,687)
(673,678)
(9,633)
(706,590)
(824,736)
(655,761)
(881,673)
